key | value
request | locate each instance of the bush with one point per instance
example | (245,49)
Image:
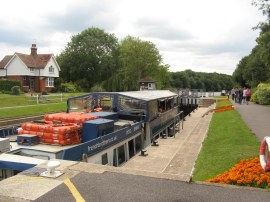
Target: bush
(254,97)
(44,92)
(68,87)
(97,88)
(15,90)
(262,94)
(6,85)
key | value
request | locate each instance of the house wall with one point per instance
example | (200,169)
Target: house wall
(2,72)
(43,86)
(45,72)
(17,67)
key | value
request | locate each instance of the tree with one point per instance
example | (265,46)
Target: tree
(163,76)
(138,59)
(264,6)
(89,58)
(200,80)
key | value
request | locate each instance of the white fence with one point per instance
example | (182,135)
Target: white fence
(45,98)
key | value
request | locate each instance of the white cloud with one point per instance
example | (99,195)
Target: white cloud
(206,36)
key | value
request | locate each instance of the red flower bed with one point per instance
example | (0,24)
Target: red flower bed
(246,173)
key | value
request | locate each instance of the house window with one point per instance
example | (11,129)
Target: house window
(50,82)
(31,69)
(51,69)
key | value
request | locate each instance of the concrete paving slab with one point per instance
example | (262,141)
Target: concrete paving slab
(26,187)
(176,155)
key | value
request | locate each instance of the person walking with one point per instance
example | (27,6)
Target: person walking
(244,94)
(236,95)
(240,95)
(248,95)
(233,93)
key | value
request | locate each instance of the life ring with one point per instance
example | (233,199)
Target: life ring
(265,157)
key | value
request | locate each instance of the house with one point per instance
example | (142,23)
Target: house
(147,84)
(36,72)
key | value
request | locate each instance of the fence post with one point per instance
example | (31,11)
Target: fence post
(37,99)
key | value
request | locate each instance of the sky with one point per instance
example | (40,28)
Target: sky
(201,35)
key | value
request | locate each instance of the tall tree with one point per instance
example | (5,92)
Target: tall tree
(138,59)
(89,58)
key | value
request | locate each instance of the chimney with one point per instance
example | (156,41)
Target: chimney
(34,50)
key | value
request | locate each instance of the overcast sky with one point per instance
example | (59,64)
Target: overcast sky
(201,35)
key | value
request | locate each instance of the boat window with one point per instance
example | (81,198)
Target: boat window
(105,102)
(165,104)
(104,159)
(138,144)
(121,155)
(80,104)
(133,106)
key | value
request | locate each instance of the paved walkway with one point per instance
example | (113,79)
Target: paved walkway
(176,156)
(257,118)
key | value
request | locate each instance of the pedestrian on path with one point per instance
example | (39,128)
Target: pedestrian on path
(244,94)
(240,95)
(248,94)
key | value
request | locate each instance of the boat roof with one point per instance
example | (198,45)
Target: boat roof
(41,147)
(20,159)
(148,95)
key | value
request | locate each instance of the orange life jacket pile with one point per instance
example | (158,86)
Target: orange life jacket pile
(72,117)
(59,128)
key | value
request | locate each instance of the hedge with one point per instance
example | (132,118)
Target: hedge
(6,85)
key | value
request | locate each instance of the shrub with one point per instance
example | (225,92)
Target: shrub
(68,87)
(6,85)
(262,94)
(97,88)
(44,92)
(15,90)
(254,97)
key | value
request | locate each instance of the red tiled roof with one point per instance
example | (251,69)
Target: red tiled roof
(5,60)
(35,61)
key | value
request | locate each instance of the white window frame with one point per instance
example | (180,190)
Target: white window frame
(51,69)
(49,82)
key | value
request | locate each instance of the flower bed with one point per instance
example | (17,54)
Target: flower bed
(246,173)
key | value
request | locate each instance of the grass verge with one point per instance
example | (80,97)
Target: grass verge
(32,110)
(229,140)
(26,105)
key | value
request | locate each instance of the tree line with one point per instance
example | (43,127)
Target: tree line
(255,67)
(96,60)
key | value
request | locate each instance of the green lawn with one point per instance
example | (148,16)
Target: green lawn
(14,106)
(229,140)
